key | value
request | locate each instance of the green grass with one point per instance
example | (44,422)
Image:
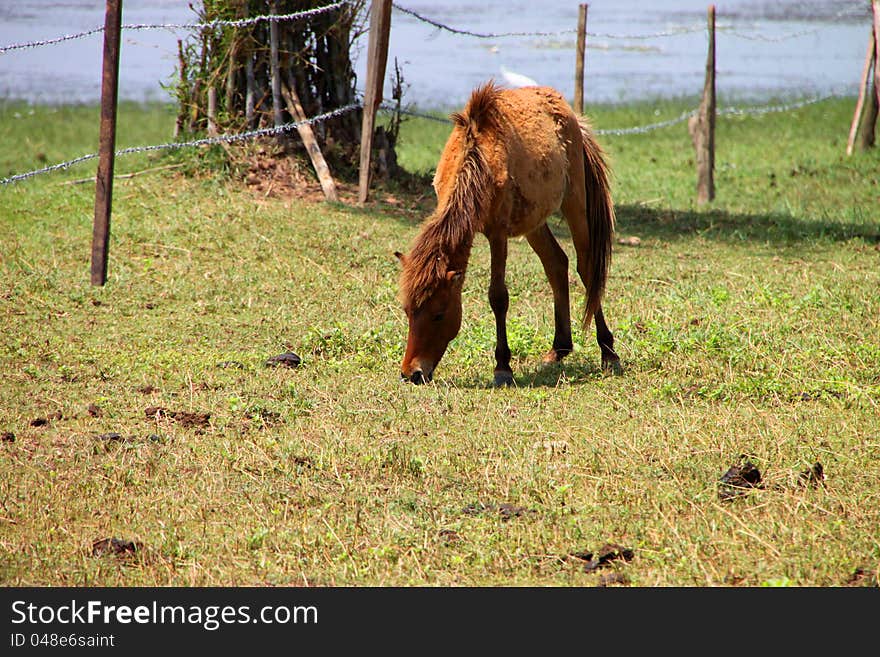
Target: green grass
(751,326)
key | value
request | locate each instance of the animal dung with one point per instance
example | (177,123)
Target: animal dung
(609,579)
(812,476)
(43,421)
(287,359)
(115,546)
(739,479)
(116,437)
(230,364)
(606,554)
(505,511)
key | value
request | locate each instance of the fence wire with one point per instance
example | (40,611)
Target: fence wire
(499,35)
(268,132)
(849,12)
(207,141)
(638,130)
(244,22)
(287,127)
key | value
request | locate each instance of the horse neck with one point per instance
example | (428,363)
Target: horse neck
(447,240)
(460,211)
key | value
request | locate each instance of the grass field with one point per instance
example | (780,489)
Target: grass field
(144,410)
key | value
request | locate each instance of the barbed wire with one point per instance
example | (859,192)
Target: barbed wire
(402,110)
(498,35)
(244,22)
(843,13)
(479,35)
(728,111)
(47,42)
(269,132)
(786,107)
(207,141)
(684,116)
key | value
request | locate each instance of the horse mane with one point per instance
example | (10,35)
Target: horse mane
(445,240)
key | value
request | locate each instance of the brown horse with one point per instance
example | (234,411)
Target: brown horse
(514,157)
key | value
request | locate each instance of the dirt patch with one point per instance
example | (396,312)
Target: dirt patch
(186,419)
(147,389)
(269,172)
(7,437)
(94,410)
(272,174)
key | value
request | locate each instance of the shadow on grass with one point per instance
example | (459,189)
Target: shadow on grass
(671,225)
(667,224)
(571,372)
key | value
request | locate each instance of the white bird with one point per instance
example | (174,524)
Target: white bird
(517,79)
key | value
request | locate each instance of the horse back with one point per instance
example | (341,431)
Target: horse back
(527,140)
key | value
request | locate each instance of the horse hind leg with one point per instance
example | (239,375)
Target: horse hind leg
(574,211)
(555,264)
(610,359)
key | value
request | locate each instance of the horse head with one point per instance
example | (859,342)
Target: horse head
(434,317)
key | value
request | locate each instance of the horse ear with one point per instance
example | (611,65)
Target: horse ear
(400,257)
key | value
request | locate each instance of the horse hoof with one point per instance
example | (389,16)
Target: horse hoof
(503,379)
(555,356)
(613,366)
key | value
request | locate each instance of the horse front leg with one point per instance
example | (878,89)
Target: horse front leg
(499,300)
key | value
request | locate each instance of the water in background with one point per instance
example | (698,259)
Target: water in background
(764,49)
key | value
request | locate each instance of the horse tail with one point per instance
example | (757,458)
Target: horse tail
(600,220)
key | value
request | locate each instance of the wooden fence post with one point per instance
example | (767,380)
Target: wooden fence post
(308,136)
(377,56)
(861,130)
(249,110)
(212,111)
(104,177)
(579,60)
(277,102)
(875,7)
(702,125)
(181,111)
